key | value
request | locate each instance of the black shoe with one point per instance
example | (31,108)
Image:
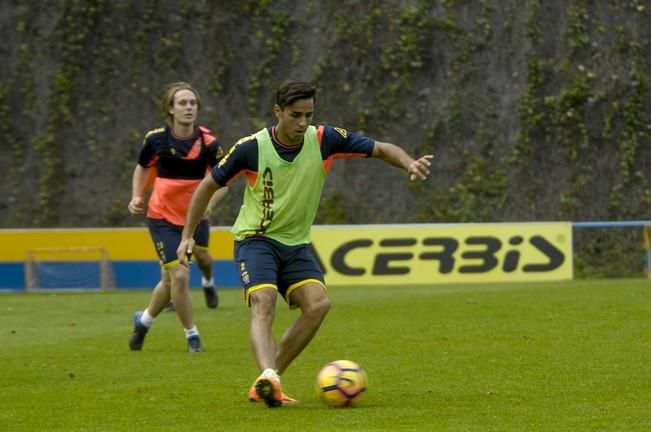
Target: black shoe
(194,344)
(139,333)
(212,299)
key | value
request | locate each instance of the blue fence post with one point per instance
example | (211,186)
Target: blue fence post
(647,250)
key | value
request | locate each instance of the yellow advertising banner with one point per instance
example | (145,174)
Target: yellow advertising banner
(119,243)
(444,253)
(353,254)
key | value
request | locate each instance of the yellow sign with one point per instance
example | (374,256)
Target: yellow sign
(119,243)
(361,254)
(444,253)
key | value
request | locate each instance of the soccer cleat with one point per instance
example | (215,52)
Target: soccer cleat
(286,400)
(194,344)
(268,389)
(139,333)
(212,299)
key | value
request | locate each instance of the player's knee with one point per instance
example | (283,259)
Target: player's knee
(179,275)
(324,306)
(318,308)
(263,305)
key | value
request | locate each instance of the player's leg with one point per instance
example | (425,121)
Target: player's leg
(263,308)
(205,263)
(266,387)
(167,288)
(180,292)
(257,262)
(301,284)
(143,320)
(314,304)
(179,276)
(175,279)
(160,297)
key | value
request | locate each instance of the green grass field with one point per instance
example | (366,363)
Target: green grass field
(572,356)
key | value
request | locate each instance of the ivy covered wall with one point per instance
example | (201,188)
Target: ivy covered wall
(535,110)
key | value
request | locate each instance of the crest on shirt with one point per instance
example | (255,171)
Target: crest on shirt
(342,132)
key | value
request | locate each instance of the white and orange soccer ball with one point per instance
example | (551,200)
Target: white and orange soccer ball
(341,383)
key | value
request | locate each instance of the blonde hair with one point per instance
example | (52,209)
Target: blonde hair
(168,101)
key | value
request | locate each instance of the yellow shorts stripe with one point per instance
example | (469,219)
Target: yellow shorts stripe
(254,288)
(298,285)
(170,264)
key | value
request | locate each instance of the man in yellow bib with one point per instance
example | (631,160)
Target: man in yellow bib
(285,167)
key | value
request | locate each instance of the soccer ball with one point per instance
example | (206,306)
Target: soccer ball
(341,383)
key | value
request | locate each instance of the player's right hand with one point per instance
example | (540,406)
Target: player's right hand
(184,252)
(136,205)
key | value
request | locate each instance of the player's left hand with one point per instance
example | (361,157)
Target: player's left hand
(184,252)
(419,169)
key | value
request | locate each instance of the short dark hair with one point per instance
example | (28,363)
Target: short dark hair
(292,90)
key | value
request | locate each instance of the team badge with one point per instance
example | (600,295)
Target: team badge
(160,247)
(244,275)
(342,132)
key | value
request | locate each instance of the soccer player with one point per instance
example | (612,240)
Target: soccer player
(175,158)
(285,167)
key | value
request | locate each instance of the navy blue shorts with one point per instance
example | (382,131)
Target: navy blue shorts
(262,262)
(167,238)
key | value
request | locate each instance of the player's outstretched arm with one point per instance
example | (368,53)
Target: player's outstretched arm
(196,210)
(396,156)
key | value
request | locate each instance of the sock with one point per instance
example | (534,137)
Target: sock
(191,332)
(146,319)
(271,373)
(207,282)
